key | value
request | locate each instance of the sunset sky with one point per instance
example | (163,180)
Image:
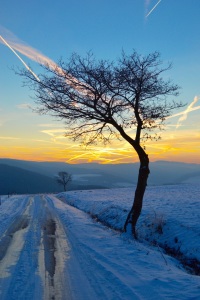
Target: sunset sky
(49,30)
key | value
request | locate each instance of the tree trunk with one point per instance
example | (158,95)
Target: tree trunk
(139,193)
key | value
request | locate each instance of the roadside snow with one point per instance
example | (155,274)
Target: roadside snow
(169,219)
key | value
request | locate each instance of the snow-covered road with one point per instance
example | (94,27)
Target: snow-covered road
(50,250)
(33,251)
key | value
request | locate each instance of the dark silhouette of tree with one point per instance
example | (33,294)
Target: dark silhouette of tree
(63,178)
(102,100)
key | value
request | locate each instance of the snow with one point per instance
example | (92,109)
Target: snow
(65,247)
(173,209)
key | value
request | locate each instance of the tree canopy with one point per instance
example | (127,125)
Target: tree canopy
(100,100)
(63,178)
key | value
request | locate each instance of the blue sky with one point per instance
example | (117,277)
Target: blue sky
(58,28)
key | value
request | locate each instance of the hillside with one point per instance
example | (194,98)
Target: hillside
(93,175)
(15,180)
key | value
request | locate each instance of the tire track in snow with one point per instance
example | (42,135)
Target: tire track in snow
(12,238)
(53,256)
(49,237)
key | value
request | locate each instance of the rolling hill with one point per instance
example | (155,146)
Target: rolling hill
(35,177)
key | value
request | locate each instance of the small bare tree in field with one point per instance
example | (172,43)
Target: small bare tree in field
(101,100)
(63,178)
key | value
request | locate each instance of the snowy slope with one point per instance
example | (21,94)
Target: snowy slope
(170,216)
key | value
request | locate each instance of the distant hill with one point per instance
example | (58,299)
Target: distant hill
(15,180)
(35,177)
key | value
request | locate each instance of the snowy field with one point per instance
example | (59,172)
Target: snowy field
(170,215)
(62,246)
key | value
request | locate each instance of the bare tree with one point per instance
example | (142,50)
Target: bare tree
(63,178)
(102,100)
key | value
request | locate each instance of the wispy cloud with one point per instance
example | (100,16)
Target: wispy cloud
(185,113)
(13,43)
(53,132)
(9,138)
(24,106)
(56,125)
(147,2)
(25,49)
(189,109)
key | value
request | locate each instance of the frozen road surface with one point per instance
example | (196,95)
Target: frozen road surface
(51,250)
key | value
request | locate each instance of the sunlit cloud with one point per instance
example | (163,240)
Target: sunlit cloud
(25,49)
(172,141)
(56,125)
(53,132)
(56,134)
(187,111)
(13,43)
(9,138)
(24,106)
(173,146)
(103,154)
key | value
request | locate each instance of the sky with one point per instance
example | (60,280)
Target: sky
(50,30)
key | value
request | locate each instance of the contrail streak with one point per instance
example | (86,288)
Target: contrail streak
(188,110)
(153,8)
(26,50)
(13,43)
(37,56)
(183,112)
(23,62)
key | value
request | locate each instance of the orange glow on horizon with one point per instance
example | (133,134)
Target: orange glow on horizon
(47,142)
(170,150)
